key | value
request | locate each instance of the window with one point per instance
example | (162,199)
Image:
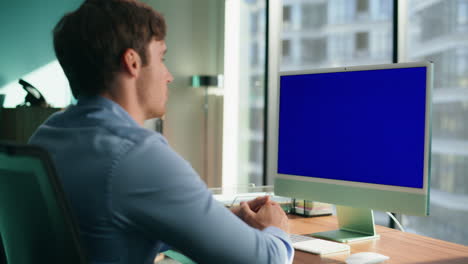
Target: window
(313,15)
(314,51)
(324,41)
(358,32)
(244,98)
(286,14)
(286,48)
(254,23)
(362,6)
(462,13)
(362,43)
(433,34)
(258,89)
(48,79)
(254,54)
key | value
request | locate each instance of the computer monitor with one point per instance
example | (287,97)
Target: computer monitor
(358,137)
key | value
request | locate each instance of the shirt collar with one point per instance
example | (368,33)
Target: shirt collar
(107,105)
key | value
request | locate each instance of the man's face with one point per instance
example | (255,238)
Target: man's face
(153,80)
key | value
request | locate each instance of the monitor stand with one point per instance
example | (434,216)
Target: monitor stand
(354,224)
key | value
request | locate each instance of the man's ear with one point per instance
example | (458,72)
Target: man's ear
(131,62)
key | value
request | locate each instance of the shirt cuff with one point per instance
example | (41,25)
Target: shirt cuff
(277,232)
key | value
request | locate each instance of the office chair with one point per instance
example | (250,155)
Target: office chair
(36,224)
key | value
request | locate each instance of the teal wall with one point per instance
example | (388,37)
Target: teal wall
(26,35)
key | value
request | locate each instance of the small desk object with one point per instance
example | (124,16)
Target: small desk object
(401,247)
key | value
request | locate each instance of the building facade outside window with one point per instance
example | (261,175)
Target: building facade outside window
(320,34)
(438,31)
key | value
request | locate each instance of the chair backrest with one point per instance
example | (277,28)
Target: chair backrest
(36,224)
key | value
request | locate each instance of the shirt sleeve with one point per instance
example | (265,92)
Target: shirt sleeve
(157,193)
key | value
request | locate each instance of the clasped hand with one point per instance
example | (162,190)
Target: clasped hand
(261,213)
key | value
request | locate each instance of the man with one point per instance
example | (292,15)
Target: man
(129,190)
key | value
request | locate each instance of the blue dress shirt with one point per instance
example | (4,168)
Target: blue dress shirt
(131,193)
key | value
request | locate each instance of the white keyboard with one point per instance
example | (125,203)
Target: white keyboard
(317,246)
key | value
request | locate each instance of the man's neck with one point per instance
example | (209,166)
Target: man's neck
(129,104)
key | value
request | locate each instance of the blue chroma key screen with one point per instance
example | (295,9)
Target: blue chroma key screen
(360,126)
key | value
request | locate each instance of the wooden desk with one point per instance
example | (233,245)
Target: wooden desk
(404,248)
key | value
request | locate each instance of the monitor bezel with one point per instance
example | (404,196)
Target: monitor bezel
(427,140)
